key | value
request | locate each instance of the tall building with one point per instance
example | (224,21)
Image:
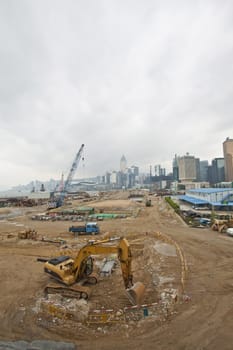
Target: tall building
(217,171)
(198,169)
(123,164)
(159,171)
(113,178)
(175,168)
(204,170)
(187,166)
(135,170)
(228,158)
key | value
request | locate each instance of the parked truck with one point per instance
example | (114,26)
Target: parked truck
(90,228)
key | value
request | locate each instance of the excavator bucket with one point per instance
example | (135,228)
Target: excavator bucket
(136,293)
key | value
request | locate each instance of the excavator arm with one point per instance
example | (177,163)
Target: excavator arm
(70,271)
(99,247)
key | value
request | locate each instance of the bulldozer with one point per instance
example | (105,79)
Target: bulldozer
(73,274)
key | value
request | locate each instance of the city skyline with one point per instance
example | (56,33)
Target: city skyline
(124,166)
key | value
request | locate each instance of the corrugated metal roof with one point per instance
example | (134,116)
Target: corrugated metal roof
(222,204)
(211,190)
(193,200)
(196,201)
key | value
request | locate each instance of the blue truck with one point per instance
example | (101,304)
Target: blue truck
(91,228)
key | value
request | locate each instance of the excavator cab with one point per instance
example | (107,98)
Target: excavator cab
(87,266)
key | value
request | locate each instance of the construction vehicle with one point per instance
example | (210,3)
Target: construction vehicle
(91,228)
(27,234)
(58,202)
(221,225)
(148,203)
(201,222)
(74,273)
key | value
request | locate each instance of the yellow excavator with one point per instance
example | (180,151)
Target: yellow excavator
(73,274)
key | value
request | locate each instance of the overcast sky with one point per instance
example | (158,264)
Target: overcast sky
(145,78)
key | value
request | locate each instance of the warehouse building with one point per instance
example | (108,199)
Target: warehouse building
(211,198)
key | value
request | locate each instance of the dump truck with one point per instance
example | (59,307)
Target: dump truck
(74,273)
(91,228)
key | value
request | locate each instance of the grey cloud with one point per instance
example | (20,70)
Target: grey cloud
(147,79)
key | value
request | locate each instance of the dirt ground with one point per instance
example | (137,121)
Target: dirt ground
(187,273)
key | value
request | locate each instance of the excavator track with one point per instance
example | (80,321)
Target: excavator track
(77,291)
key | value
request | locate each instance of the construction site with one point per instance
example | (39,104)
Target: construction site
(180,279)
(121,269)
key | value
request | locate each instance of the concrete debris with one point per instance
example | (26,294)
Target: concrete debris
(107,267)
(57,306)
(58,241)
(169,293)
(186,298)
(165,280)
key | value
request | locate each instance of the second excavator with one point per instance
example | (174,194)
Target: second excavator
(73,274)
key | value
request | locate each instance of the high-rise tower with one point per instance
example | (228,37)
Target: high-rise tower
(123,164)
(228,158)
(216,171)
(175,168)
(187,168)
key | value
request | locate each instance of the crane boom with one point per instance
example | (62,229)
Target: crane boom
(73,168)
(71,174)
(57,203)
